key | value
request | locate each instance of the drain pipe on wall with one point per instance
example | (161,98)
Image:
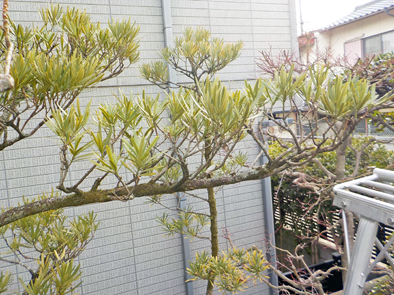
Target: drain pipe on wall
(269,226)
(168,37)
(186,250)
(169,42)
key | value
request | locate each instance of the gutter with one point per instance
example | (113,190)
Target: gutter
(269,226)
(388,12)
(168,35)
(293,27)
(169,42)
(185,250)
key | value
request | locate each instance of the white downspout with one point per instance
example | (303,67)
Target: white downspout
(269,226)
(169,42)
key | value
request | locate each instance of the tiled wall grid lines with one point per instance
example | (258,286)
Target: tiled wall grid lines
(129,254)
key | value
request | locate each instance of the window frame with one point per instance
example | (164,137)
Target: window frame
(373,36)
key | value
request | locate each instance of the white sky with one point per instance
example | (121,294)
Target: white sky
(317,14)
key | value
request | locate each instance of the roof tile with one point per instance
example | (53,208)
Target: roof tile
(362,11)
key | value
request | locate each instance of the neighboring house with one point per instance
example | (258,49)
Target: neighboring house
(368,30)
(129,254)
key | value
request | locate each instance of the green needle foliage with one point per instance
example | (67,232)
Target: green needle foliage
(51,65)
(195,55)
(54,62)
(207,121)
(5,281)
(46,245)
(231,270)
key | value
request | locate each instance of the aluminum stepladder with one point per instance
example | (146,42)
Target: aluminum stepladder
(372,198)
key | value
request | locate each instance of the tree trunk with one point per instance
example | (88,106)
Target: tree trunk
(341,159)
(214,232)
(213,217)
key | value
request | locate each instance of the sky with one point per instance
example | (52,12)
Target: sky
(317,14)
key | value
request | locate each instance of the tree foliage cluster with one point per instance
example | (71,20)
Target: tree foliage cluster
(300,208)
(378,70)
(51,65)
(45,245)
(54,62)
(304,193)
(186,141)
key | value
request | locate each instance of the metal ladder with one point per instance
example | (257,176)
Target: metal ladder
(372,198)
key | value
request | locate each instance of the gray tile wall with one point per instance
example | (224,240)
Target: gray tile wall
(129,254)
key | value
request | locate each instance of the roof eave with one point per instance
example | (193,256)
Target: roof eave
(354,20)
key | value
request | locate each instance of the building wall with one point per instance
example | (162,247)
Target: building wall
(129,254)
(370,26)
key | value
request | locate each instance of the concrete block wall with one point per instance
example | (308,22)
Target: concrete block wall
(129,254)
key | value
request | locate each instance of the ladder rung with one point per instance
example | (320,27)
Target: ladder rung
(384,175)
(371,192)
(379,185)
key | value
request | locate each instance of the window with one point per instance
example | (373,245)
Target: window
(377,44)
(388,42)
(373,45)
